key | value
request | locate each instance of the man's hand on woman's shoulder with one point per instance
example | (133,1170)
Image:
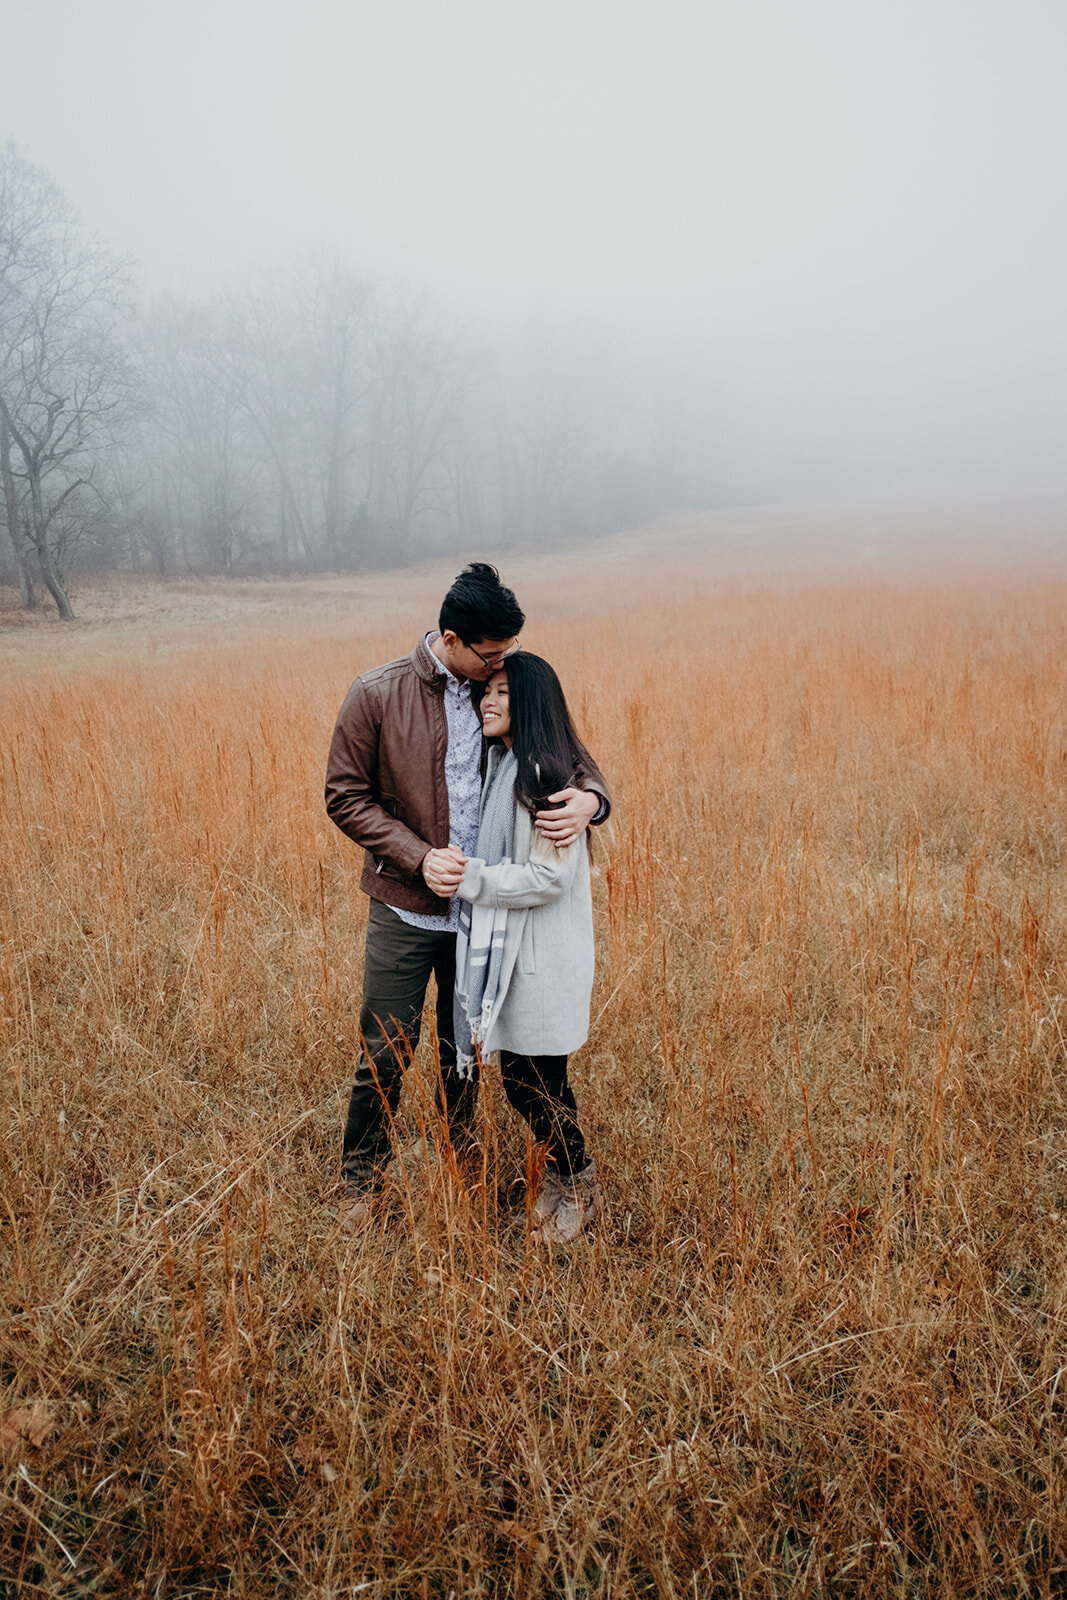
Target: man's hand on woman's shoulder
(570,820)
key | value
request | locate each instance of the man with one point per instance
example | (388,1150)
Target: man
(404,781)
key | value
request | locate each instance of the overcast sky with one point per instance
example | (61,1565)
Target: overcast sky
(850,206)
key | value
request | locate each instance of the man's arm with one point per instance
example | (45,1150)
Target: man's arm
(587,806)
(352,797)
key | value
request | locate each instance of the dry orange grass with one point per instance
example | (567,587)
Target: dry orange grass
(816,1345)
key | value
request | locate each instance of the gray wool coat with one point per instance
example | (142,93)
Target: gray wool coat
(546,978)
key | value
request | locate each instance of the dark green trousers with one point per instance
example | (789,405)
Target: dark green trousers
(397,966)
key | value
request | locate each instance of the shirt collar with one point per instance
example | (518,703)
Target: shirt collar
(456,685)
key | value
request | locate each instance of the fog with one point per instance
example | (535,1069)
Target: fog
(835,231)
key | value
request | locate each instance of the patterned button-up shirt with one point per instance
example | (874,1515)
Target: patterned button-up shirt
(463,779)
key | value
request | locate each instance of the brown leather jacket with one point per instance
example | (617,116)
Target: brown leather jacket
(385,778)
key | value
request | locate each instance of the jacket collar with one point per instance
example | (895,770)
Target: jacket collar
(427,666)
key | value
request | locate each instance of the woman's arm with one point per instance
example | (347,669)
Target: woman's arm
(547,876)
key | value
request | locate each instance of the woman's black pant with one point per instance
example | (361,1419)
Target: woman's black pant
(538,1089)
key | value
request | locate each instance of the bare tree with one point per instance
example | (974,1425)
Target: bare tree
(545,428)
(427,369)
(335,310)
(259,362)
(28,207)
(64,371)
(213,470)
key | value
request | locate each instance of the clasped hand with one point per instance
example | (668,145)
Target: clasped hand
(443,869)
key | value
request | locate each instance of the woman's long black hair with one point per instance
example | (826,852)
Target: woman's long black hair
(549,753)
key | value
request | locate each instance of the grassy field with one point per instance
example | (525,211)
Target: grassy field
(816,1345)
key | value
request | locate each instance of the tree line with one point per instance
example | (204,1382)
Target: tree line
(317,420)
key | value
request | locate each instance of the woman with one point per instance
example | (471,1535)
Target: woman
(524,954)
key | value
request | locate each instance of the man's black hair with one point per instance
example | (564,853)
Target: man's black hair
(479,607)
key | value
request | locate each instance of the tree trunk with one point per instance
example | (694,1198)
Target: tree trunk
(52,583)
(183,541)
(133,543)
(49,576)
(27,593)
(335,489)
(301,530)
(11,512)
(283,524)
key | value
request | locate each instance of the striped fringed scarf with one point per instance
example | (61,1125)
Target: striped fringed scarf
(480,941)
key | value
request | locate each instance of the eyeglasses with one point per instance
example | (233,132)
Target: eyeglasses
(495,661)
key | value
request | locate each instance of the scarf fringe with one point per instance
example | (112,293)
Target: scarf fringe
(465,1065)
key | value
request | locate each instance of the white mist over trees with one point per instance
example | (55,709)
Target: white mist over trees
(316,421)
(321,420)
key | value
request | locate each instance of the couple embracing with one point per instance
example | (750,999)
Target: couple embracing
(459,771)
